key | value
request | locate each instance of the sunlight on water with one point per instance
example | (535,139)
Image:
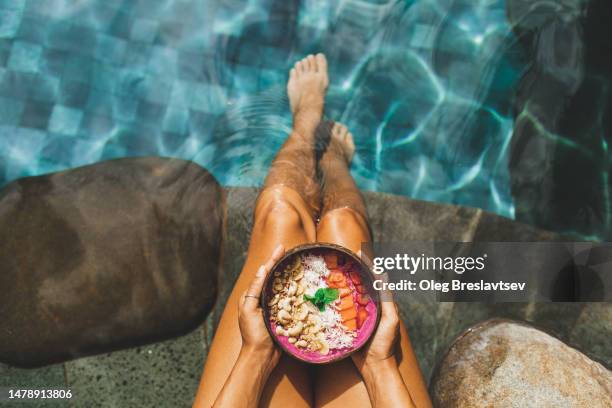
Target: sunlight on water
(425,86)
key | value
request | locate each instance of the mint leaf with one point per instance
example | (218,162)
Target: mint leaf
(322,297)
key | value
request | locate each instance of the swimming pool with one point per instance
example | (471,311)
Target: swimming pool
(425,86)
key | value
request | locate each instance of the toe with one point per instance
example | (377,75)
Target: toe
(299,66)
(312,64)
(321,63)
(292,73)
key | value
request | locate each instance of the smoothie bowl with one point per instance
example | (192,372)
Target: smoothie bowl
(319,304)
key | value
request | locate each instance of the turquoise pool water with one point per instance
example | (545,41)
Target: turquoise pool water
(425,86)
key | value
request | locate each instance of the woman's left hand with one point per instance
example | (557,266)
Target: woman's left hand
(255,336)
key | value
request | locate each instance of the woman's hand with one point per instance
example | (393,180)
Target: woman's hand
(381,349)
(255,336)
(377,363)
(258,355)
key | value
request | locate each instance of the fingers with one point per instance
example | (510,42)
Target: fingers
(253,293)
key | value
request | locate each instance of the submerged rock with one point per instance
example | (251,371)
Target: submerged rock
(563,115)
(105,257)
(506,364)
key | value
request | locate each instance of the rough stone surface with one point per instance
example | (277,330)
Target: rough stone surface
(164,374)
(506,364)
(105,257)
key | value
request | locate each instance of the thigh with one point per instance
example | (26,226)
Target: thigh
(281,218)
(341,384)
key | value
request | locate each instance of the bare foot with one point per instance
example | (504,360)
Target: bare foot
(341,142)
(307,85)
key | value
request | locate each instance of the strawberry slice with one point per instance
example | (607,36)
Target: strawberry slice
(331,260)
(362,316)
(346,303)
(350,324)
(361,289)
(363,299)
(355,278)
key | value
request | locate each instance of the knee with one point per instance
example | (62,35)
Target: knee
(273,213)
(343,218)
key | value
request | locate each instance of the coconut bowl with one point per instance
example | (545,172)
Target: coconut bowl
(363,333)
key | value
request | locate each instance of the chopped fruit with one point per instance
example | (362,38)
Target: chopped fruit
(361,289)
(362,316)
(345,292)
(346,302)
(337,285)
(350,324)
(331,260)
(336,276)
(355,278)
(348,314)
(363,299)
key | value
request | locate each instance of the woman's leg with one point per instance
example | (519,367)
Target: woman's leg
(344,221)
(284,215)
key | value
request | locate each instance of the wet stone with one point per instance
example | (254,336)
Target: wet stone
(503,363)
(105,257)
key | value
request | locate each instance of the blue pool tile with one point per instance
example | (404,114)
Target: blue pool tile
(144,30)
(58,149)
(94,126)
(9,23)
(45,88)
(110,49)
(10,111)
(208,98)
(163,61)
(25,56)
(190,65)
(170,33)
(65,120)
(137,54)
(151,113)
(53,62)
(16,84)
(156,89)
(120,25)
(176,121)
(73,93)
(36,115)
(125,107)
(12,4)
(105,77)
(63,37)
(182,93)
(32,29)
(78,68)
(100,103)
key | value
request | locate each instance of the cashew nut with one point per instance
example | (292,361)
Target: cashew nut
(274,300)
(283,316)
(295,330)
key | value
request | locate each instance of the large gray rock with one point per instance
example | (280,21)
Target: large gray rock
(506,364)
(106,257)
